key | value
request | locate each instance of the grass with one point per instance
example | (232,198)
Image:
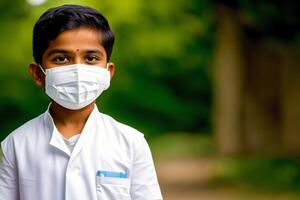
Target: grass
(260,173)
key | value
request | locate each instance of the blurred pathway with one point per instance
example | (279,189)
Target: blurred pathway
(188,179)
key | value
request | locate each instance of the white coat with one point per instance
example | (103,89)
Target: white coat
(110,161)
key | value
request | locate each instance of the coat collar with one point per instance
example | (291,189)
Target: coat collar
(56,139)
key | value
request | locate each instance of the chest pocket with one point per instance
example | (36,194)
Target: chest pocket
(113,188)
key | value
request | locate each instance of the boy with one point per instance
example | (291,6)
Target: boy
(73,151)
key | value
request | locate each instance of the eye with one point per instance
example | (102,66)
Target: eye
(91,59)
(60,59)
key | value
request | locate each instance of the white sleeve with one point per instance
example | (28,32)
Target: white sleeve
(8,175)
(144,183)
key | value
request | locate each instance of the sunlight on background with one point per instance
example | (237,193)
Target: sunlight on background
(36,2)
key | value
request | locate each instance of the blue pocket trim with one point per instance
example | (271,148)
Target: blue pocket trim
(111,174)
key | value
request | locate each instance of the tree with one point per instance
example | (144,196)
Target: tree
(256,63)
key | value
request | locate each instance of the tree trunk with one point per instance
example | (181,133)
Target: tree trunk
(228,84)
(291,101)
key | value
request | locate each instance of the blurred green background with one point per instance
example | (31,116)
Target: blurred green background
(214,85)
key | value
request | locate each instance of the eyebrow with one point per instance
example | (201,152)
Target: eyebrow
(93,51)
(54,51)
(63,51)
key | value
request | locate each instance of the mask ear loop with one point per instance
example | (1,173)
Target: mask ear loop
(107,66)
(42,69)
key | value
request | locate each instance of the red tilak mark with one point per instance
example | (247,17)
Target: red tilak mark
(77,49)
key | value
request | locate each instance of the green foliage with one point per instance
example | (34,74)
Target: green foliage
(276,174)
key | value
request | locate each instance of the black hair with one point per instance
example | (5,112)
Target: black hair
(68,17)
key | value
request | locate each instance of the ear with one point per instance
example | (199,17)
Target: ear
(36,75)
(111,69)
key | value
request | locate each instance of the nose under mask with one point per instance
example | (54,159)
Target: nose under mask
(76,86)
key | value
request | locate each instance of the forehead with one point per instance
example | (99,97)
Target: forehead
(76,39)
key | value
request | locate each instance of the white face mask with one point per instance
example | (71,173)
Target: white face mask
(76,86)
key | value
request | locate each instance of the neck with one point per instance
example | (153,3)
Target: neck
(70,122)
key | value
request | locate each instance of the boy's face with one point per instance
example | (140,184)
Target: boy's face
(78,46)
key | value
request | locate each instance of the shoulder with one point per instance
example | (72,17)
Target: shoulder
(128,139)
(27,130)
(121,130)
